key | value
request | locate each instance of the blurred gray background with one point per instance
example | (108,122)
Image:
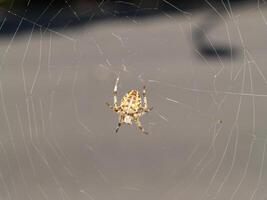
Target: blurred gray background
(204,65)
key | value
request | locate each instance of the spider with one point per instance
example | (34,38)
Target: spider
(130,109)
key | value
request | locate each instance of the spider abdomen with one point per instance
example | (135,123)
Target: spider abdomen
(131,102)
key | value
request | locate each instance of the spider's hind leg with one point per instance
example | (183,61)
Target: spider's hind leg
(141,128)
(118,127)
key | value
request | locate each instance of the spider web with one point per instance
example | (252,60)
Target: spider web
(204,68)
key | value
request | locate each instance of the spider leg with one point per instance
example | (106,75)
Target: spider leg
(116,109)
(110,106)
(141,128)
(145,99)
(119,124)
(118,127)
(145,108)
(115,100)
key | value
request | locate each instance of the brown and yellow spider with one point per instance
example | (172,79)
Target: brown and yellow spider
(131,108)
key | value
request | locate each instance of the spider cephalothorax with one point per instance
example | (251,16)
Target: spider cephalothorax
(130,109)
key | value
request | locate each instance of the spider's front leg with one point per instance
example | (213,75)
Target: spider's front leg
(115,92)
(146,109)
(115,101)
(141,128)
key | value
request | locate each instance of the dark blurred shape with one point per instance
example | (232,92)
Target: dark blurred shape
(209,51)
(207,48)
